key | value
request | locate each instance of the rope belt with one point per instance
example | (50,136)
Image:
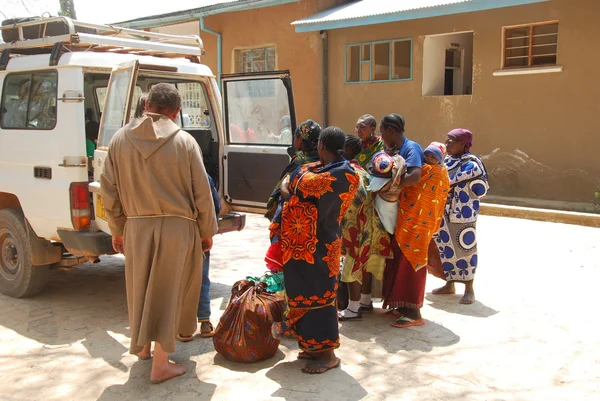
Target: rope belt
(158,216)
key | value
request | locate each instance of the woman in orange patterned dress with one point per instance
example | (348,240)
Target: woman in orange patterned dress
(317,197)
(420,212)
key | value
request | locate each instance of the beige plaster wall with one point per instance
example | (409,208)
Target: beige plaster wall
(537,132)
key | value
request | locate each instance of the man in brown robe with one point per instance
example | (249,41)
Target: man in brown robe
(161,215)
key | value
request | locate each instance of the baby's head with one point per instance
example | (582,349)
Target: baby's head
(434,154)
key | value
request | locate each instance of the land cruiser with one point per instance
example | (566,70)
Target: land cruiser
(60,78)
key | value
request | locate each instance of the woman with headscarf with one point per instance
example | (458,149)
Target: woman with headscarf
(306,139)
(317,197)
(365,129)
(424,192)
(457,239)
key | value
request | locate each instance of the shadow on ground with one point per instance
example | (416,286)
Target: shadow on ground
(450,304)
(423,338)
(138,386)
(295,385)
(248,367)
(88,305)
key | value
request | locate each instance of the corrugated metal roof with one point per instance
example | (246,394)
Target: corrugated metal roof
(370,8)
(165,9)
(370,12)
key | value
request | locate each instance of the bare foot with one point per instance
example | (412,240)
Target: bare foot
(321,365)
(146,353)
(166,372)
(306,355)
(447,289)
(468,298)
(394,313)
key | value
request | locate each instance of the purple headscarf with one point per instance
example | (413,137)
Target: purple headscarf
(463,135)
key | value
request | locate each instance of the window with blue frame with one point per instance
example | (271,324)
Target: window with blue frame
(380,61)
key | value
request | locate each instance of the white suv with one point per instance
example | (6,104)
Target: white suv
(59,77)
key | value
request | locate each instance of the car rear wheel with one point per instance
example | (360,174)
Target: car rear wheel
(18,278)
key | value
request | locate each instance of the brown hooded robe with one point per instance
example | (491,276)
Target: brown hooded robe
(156,194)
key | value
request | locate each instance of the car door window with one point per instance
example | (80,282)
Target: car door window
(29,100)
(258,112)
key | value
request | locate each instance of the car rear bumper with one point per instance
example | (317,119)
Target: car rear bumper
(96,243)
(231,222)
(86,242)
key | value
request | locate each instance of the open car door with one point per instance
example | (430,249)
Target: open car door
(116,113)
(259,123)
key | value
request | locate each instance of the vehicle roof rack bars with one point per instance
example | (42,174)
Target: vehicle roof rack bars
(57,51)
(4,57)
(39,35)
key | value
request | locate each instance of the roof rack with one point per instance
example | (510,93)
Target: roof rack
(39,36)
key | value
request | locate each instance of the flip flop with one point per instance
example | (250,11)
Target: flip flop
(207,334)
(320,366)
(185,339)
(411,322)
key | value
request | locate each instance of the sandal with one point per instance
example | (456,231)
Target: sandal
(320,368)
(366,308)
(210,332)
(409,322)
(184,338)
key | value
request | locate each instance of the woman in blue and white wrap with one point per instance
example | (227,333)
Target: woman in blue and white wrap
(457,238)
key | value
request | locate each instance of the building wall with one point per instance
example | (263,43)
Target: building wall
(301,53)
(536,132)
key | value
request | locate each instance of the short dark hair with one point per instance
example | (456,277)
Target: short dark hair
(395,122)
(369,120)
(164,98)
(352,146)
(333,139)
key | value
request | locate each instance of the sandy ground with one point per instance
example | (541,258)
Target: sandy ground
(532,334)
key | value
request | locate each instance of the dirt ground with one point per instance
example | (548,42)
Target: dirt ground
(531,335)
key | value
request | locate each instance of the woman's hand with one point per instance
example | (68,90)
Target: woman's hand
(284,188)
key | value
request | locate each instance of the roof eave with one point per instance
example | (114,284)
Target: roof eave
(430,12)
(154,21)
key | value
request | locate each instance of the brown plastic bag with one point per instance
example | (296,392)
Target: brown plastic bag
(434,263)
(244,331)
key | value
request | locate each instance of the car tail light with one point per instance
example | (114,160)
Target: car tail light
(80,205)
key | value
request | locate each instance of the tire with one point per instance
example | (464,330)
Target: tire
(18,278)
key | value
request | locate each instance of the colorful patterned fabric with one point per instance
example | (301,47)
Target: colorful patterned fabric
(365,242)
(420,213)
(298,159)
(469,183)
(371,146)
(457,238)
(311,242)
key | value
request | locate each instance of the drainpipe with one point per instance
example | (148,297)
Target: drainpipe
(219,48)
(325,73)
